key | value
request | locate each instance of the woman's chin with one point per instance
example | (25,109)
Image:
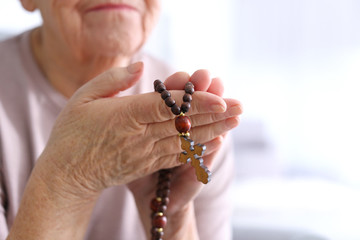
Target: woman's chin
(113,46)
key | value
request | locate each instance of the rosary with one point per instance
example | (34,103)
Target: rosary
(192,153)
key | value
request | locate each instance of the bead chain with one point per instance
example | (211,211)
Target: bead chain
(159,204)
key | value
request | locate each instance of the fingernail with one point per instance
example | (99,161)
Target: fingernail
(234,111)
(218,108)
(232,122)
(135,67)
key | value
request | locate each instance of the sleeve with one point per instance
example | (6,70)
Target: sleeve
(4,231)
(213,206)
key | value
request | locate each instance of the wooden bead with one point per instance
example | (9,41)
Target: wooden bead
(165,94)
(182,124)
(155,204)
(163,193)
(175,109)
(160,88)
(156,82)
(189,88)
(159,221)
(185,106)
(169,102)
(157,232)
(187,97)
(165,201)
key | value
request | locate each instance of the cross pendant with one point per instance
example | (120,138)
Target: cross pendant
(193,153)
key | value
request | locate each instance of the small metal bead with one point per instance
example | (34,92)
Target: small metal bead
(160,88)
(165,94)
(175,109)
(185,106)
(169,102)
(187,97)
(156,82)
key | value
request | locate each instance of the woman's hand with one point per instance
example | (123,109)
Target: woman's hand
(184,186)
(100,141)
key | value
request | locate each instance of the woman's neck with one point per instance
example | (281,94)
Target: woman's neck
(67,71)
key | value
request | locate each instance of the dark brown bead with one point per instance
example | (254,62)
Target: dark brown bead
(156,238)
(169,102)
(159,221)
(164,171)
(165,201)
(164,184)
(189,88)
(156,82)
(160,88)
(187,97)
(165,94)
(163,193)
(165,175)
(185,106)
(157,232)
(182,124)
(175,109)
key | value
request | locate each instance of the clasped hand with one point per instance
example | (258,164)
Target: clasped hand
(100,140)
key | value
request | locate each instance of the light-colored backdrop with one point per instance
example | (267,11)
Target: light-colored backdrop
(295,65)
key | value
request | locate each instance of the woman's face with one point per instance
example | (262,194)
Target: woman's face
(99,27)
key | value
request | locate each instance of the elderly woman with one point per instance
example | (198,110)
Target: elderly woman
(83,135)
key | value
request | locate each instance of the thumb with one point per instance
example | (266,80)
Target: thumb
(110,83)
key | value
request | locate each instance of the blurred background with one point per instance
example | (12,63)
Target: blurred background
(295,66)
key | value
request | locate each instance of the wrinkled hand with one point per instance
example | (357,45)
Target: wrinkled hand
(100,141)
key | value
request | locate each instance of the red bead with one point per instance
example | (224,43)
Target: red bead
(159,221)
(182,124)
(155,204)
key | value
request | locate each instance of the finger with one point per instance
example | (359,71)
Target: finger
(208,132)
(177,81)
(109,83)
(201,80)
(216,87)
(172,145)
(167,128)
(150,108)
(234,108)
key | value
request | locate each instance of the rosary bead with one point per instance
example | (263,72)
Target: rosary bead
(156,82)
(187,97)
(165,201)
(175,109)
(164,184)
(157,232)
(185,106)
(163,193)
(189,88)
(169,102)
(160,88)
(165,94)
(182,124)
(159,221)
(155,204)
